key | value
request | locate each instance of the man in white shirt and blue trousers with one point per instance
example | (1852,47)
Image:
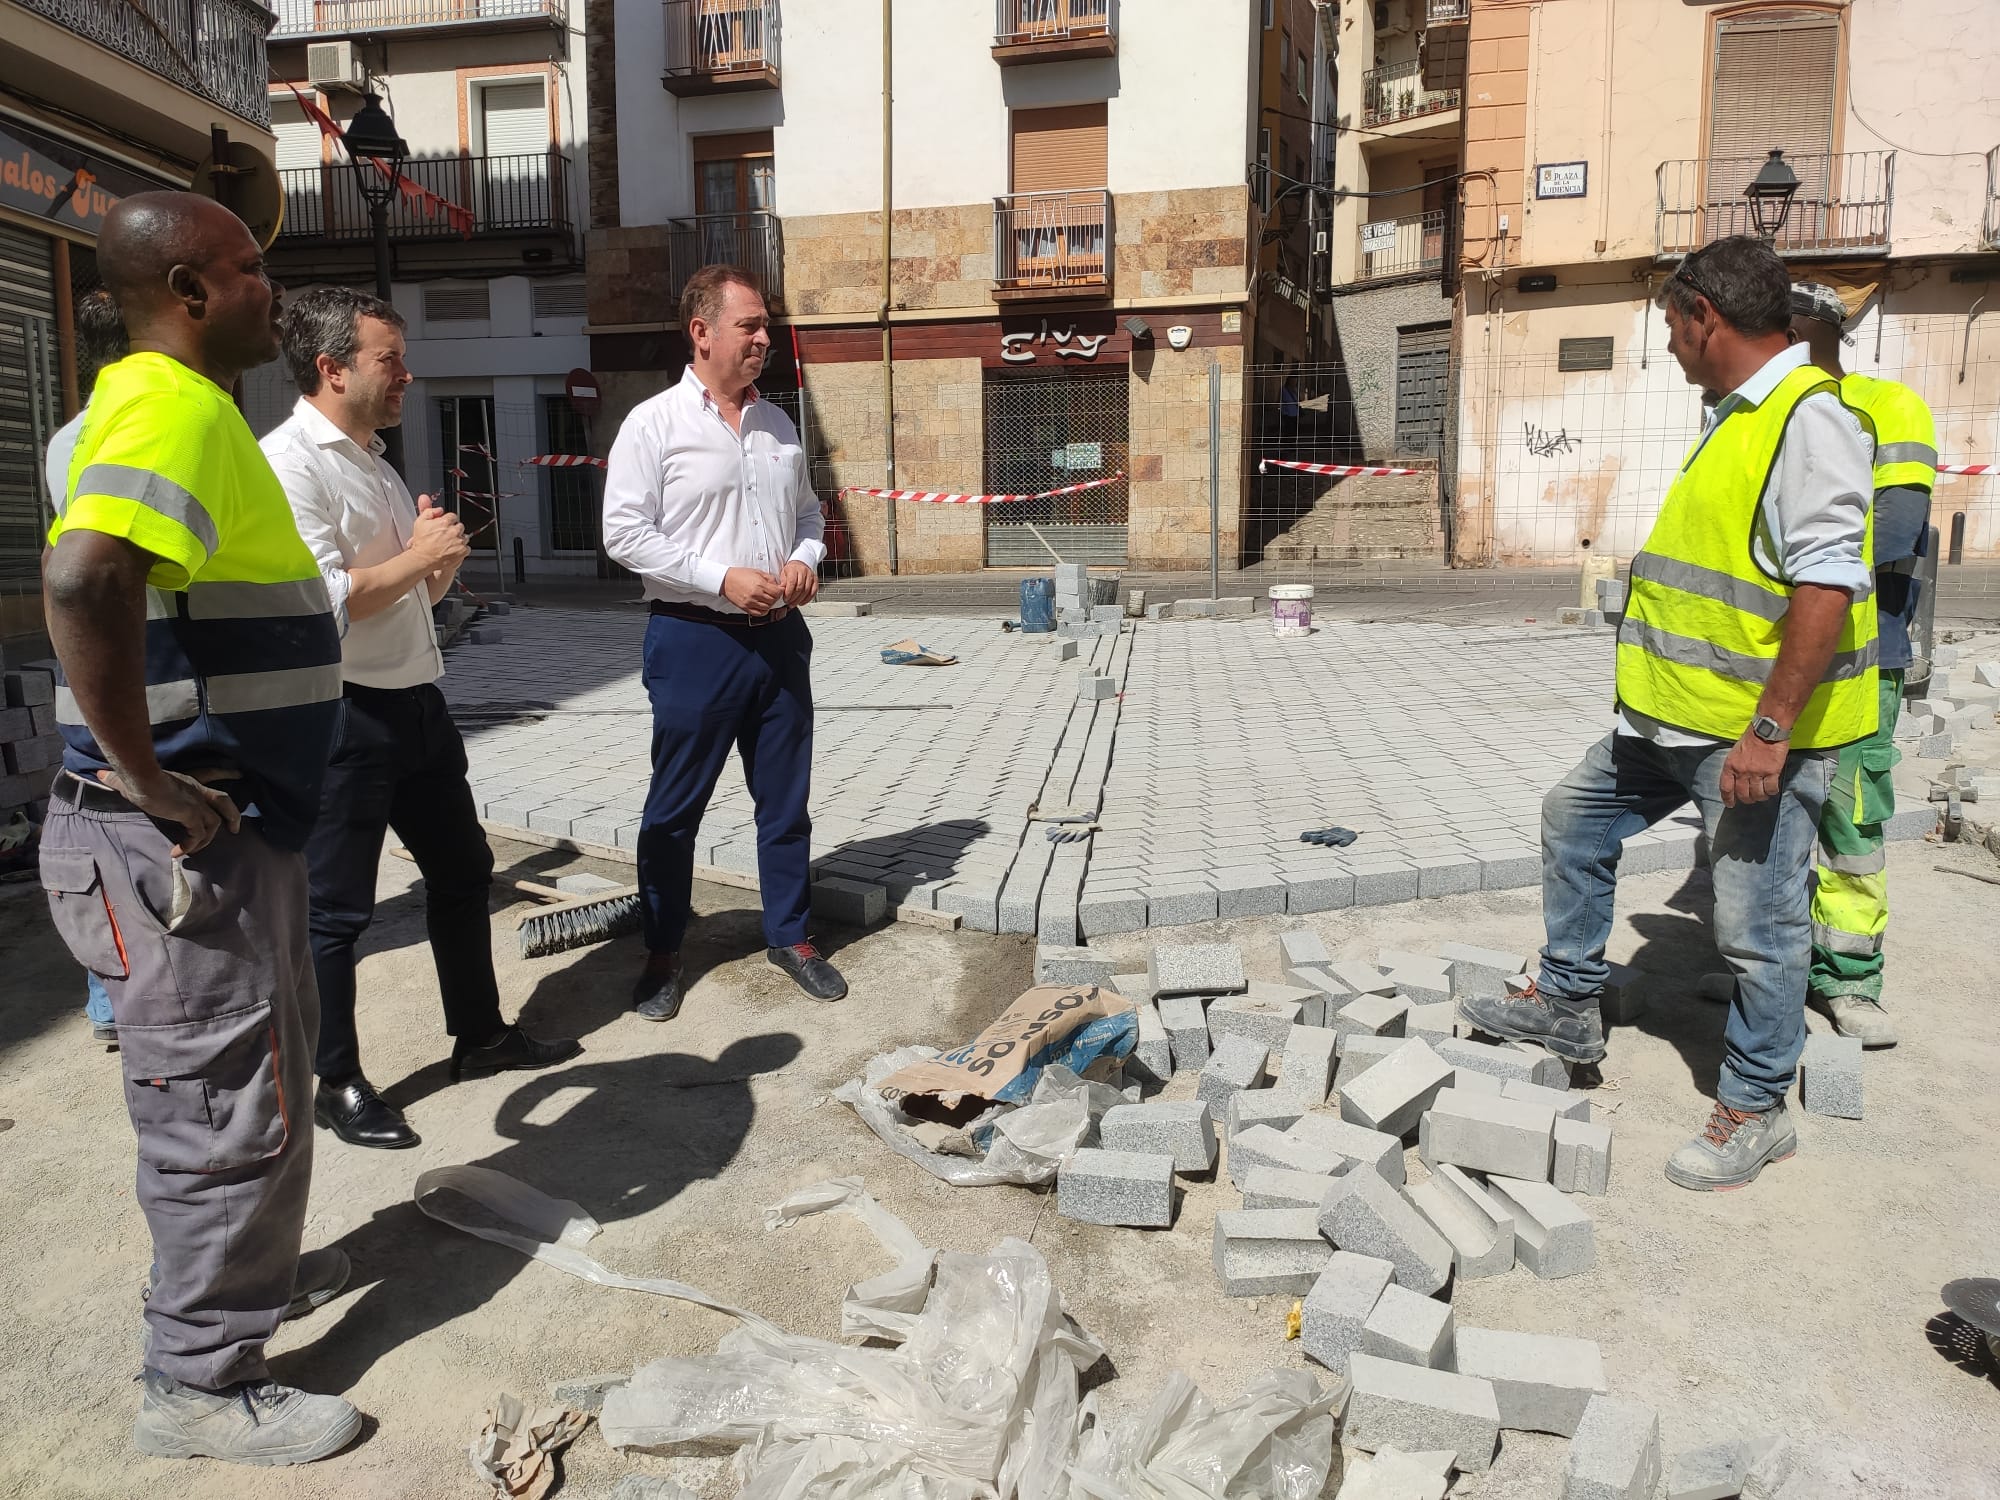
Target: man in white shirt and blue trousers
(708,498)
(398,761)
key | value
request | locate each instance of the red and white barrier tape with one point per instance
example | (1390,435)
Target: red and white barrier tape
(936,497)
(565,461)
(1968,468)
(1264,466)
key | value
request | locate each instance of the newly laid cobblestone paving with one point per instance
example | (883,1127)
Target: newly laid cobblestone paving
(1434,743)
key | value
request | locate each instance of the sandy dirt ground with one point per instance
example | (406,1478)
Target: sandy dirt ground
(1807,1305)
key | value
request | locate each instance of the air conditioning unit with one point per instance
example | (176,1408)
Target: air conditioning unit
(1392,17)
(336,65)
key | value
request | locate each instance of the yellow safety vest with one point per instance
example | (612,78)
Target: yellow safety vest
(1704,621)
(1905,436)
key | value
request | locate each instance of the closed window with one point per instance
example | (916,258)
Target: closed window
(1773,82)
(735,192)
(512,181)
(1058,170)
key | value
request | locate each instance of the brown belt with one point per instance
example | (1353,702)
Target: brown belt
(707,616)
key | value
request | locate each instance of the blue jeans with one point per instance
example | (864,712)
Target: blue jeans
(97,1004)
(1760,857)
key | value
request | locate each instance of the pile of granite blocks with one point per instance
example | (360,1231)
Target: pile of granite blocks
(1960,698)
(1309,1094)
(30,747)
(1086,606)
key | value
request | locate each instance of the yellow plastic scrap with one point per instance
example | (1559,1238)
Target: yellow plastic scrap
(1293,1319)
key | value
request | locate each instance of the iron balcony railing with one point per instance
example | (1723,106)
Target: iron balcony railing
(752,240)
(1842,204)
(1054,239)
(1020,21)
(1991,235)
(719,37)
(1398,92)
(214,48)
(298,18)
(1407,246)
(1442,12)
(505,194)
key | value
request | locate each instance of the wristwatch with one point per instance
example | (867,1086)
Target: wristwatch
(1769,730)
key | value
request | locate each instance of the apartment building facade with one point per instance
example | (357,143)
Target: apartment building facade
(98,102)
(1604,141)
(1073,241)
(486,247)
(1395,162)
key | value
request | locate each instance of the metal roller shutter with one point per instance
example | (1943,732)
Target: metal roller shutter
(515,127)
(30,403)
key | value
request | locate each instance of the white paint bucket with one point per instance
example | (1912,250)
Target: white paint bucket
(1291,609)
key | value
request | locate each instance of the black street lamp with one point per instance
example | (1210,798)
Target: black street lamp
(371,133)
(1770,193)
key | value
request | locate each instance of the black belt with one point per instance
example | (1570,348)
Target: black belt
(706,616)
(78,791)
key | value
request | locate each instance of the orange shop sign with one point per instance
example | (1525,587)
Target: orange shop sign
(51,179)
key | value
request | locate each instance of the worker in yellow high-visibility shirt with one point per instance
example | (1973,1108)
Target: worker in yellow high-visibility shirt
(1851,900)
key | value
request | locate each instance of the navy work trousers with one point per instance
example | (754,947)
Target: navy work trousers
(713,686)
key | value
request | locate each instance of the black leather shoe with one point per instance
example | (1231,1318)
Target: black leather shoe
(809,971)
(657,996)
(512,1050)
(355,1112)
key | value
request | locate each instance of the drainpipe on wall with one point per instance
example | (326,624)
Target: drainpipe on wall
(888,203)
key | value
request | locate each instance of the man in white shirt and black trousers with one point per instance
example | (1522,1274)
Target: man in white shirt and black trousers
(708,499)
(398,761)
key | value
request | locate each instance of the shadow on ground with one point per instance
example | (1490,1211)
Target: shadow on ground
(644,1128)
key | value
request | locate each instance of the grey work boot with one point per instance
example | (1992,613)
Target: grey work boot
(1572,1029)
(257,1422)
(321,1275)
(1858,1016)
(1735,1147)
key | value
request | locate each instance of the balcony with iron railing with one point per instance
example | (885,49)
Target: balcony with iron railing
(1028,31)
(1445,12)
(299,19)
(753,240)
(1841,208)
(1392,94)
(213,48)
(1990,229)
(509,196)
(721,46)
(1410,246)
(1052,245)
(1447,40)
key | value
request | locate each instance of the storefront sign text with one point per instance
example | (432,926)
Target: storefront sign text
(1018,348)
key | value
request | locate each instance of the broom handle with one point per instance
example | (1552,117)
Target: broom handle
(525,887)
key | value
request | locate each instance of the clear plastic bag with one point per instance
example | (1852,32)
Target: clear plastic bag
(1274,1442)
(1025,1144)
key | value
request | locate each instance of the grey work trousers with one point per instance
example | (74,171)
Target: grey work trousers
(211,982)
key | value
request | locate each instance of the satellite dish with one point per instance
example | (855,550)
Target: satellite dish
(247,184)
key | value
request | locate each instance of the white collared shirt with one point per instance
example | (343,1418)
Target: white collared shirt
(686,499)
(354,511)
(1815,509)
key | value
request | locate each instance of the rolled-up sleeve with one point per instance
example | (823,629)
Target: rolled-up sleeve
(313,510)
(809,545)
(1816,509)
(635,533)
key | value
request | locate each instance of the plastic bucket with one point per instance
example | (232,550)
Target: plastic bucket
(1038,605)
(1291,608)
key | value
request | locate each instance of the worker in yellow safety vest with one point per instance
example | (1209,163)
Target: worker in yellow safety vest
(1745,660)
(1850,910)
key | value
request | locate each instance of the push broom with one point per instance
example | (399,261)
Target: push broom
(570,919)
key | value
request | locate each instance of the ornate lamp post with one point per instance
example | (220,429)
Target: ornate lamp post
(371,133)
(1770,193)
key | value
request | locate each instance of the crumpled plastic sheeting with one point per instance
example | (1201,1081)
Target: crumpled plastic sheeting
(1024,1144)
(885,1306)
(980,1402)
(1274,1442)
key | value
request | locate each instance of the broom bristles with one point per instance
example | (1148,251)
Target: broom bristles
(562,928)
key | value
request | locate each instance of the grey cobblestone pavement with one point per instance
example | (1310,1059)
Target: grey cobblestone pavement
(1433,743)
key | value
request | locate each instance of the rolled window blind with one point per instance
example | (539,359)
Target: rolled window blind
(1774,82)
(1059,148)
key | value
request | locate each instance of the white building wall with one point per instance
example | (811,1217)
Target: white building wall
(1179,107)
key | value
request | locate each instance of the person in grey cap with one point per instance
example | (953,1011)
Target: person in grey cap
(1851,899)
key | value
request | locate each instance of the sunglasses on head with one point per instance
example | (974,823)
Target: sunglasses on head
(1682,273)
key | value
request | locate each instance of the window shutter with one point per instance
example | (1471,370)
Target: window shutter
(298,137)
(1774,81)
(1059,148)
(516,116)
